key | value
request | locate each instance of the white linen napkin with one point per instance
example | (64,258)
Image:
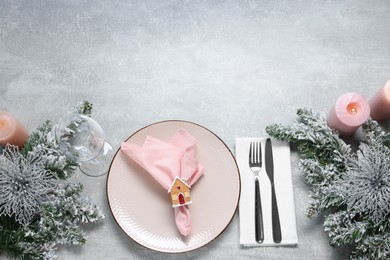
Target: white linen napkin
(283,190)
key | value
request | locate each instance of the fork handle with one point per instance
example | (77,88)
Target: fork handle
(258,214)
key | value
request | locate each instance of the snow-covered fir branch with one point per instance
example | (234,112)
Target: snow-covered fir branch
(351,189)
(39,208)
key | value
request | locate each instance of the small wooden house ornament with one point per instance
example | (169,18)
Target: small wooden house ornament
(180,193)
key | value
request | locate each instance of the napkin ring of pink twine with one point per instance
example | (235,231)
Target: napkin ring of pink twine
(174,166)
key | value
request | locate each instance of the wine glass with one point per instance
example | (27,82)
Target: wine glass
(82,139)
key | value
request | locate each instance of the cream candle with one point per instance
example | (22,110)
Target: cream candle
(11,130)
(348,114)
(380,103)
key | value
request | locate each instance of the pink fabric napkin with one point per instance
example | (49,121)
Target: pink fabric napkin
(166,161)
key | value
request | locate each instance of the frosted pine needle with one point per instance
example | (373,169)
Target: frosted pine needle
(367,182)
(24,185)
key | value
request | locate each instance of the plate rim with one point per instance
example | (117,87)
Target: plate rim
(239,186)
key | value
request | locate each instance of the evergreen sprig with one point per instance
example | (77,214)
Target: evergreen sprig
(324,156)
(61,216)
(84,108)
(351,189)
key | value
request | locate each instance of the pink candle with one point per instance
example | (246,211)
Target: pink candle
(380,103)
(348,114)
(11,130)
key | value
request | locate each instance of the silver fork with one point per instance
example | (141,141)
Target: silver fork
(255,164)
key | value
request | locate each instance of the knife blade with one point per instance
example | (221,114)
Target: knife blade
(269,168)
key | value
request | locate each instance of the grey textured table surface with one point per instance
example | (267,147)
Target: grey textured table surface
(233,66)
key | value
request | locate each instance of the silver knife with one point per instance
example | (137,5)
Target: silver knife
(269,167)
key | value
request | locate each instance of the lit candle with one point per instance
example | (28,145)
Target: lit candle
(380,103)
(11,130)
(348,114)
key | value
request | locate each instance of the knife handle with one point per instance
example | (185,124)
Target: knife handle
(277,234)
(258,214)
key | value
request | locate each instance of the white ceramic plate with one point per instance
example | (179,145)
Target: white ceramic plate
(142,208)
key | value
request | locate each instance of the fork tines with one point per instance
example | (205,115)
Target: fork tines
(255,159)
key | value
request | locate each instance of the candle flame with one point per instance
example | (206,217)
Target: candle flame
(353,108)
